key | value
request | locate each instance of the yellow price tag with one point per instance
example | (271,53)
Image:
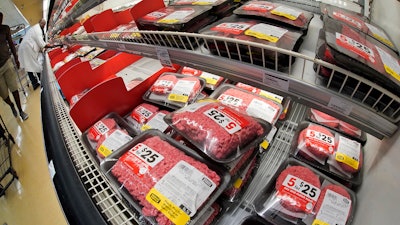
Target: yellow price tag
(319,222)
(145,127)
(202,3)
(384,40)
(103,150)
(114,35)
(392,72)
(264,144)
(238,183)
(340,157)
(169,21)
(260,35)
(210,80)
(289,16)
(167,207)
(178,98)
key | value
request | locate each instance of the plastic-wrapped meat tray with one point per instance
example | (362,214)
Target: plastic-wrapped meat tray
(174,18)
(248,102)
(332,153)
(174,90)
(212,80)
(147,172)
(281,14)
(362,55)
(346,84)
(254,31)
(360,23)
(177,18)
(148,116)
(123,31)
(337,125)
(107,135)
(218,131)
(299,194)
(219,7)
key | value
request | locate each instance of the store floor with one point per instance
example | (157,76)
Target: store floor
(31,199)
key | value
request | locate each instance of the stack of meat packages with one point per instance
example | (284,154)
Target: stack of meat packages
(350,41)
(332,153)
(261,22)
(299,194)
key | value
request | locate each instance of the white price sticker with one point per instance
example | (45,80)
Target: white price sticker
(230,100)
(147,154)
(316,135)
(222,119)
(144,112)
(335,209)
(262,110)
(101,127)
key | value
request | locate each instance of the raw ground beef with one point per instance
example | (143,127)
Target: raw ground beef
(138,187)
(318,150)
(143,112)
(164,84)
(349,129)
(97,130)
(301,172)
(206,132)
(324,118)
(246,99)
(335,188)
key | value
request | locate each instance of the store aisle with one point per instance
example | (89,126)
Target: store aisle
(32,198)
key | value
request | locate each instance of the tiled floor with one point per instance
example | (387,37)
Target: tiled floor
(31,199)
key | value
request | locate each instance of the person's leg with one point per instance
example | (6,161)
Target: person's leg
(11,81)
(34,80)
(4,88)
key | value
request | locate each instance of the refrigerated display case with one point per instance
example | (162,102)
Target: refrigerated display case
(86,194)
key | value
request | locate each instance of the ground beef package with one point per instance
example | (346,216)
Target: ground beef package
(256,31)
(175,18)
(107,135)
(174,90)
(219,7)
(337,125)
(248,102)
(277,13)
(147,116)
(218,131)
(330,152)
(299,194)
(360,23)
(212,80)
(164,180)
(123,31)
(362,55)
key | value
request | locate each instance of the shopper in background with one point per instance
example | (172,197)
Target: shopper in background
(8,75)
(30,52)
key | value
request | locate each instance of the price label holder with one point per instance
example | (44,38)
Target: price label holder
(163,56)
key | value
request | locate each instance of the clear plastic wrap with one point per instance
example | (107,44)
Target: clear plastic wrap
(299,194)
(248,103)
(330,152)
(108,135)
(360,23)
(337,125)
(175,18)
(362,54)
(277,13)
(148,170)
(219,7)
(147,116)
(123,31)
(257,31)
(218,131)
(175,90)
